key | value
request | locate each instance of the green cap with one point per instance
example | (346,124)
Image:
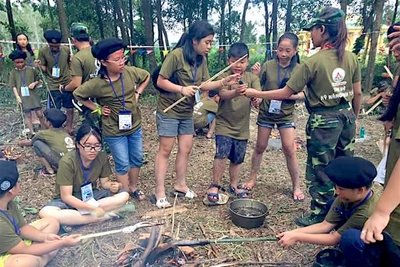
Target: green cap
(79,30)
(333,19)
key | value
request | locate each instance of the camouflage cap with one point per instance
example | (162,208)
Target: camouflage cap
(333,19)
(79,30)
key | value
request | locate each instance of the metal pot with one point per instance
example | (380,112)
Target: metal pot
(253,219)
(329,257)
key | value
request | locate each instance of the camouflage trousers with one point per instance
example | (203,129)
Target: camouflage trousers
(330,134)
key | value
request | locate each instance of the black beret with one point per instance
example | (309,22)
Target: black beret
(105,47)
(53,36)
(351,172)
(55,116)
(8,175)
(17,54)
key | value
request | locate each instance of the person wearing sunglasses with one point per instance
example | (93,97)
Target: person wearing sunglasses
(78,200)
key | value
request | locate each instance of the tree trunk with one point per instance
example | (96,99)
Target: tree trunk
(149,32)
(243,22)
(343,6)
(131,27)
(161,29)
(99,16)
(367,20)
(274,18)
(50,13)
(288,19)
(378,7)
(62,17)
(10,17)
(366,50)
(267,33)
(221,57)
(120,20)
(396,6)
(204,9)
(229,22)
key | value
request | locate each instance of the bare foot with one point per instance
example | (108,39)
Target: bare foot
(248,185)
(298,195)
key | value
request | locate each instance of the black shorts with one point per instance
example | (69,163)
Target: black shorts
(233,149)
(60,99)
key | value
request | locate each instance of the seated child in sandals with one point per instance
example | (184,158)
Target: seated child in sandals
(25,244)
(78,200)
(354,204)
(204,113)
(51,144)
(232,124)
(24,81)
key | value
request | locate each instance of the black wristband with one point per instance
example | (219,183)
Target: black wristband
(63,89)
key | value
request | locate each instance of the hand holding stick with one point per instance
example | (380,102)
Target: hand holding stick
(204,83)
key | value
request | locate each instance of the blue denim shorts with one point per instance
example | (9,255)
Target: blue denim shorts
(169,127)
(127,151)
(278,125)
(233,149)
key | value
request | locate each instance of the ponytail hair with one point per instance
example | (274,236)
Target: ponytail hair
(335,25)
(295,42)
(28,46)
(199,30)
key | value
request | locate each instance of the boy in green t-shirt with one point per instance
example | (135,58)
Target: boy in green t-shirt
(355,202)
(51,144)
(232,125)
(205,111)
(25,244)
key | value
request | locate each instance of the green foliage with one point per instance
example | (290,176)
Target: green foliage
(381,61)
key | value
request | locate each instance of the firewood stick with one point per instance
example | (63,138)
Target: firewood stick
(100,234)
(374,107)
(204,83)
(388,72)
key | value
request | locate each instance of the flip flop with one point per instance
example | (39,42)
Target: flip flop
(222,200)
(297,197)
(189,194)
(161,203)
(137,194)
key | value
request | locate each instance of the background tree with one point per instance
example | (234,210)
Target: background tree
(148,25)
(288,15)
(243,21)
(11,23)
(62,17)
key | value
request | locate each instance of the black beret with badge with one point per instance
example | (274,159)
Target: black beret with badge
(52,36)
(8,175)
(351,172)
(17,54)
(105,47)
(55,116)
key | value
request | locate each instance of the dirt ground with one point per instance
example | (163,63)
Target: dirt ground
(273,188)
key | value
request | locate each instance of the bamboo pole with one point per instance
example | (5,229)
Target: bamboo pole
(204,83)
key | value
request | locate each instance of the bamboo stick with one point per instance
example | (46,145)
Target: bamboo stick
(204,83)
(373,107)
(389,72)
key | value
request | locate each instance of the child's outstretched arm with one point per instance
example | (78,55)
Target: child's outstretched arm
(278,94)
(390,199)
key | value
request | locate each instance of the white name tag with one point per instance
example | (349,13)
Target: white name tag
(275,107)
(125,120)
(197,96)
(25,91)
(55,72)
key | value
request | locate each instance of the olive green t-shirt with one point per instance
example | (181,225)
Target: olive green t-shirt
(70,172)
(206,105)
(393,156)
(57,139)
(101,90)
(273,74)
(233,116)
(29,61)
(357,219)
(19,78)
(327,80)
(49,59)
(83,64)
(187,75)
(8,237)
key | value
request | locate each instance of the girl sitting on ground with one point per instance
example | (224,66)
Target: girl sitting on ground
(78,200)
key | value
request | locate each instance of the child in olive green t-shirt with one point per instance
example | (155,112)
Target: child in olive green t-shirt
(232,125)
(23,81)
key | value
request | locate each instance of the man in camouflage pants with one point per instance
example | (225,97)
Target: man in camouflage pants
(330,134)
